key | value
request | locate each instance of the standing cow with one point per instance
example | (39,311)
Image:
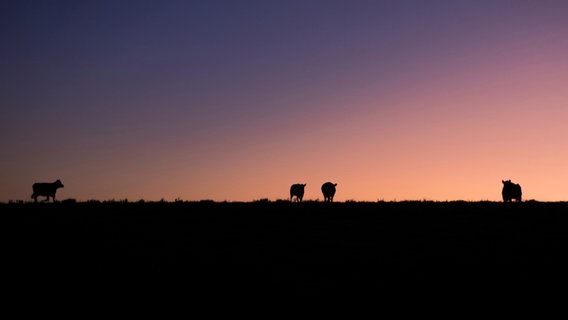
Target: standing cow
(297,190)
(328,190)
(511,191)
(46,189)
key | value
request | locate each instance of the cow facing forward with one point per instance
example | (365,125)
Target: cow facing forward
(328,190)
(511,191)
(297,191)
(46,189)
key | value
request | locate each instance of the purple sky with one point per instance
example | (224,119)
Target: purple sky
(237,100)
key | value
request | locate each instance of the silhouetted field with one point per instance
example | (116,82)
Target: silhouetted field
(304,248)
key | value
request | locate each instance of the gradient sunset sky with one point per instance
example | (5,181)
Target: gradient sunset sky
(237,100)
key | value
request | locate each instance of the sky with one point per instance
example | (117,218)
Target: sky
(238,100)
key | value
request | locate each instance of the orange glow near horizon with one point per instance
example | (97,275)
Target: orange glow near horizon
(388,111)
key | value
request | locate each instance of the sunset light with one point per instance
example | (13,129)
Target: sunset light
(238,100)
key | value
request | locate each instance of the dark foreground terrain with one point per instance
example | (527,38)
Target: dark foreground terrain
(301,249)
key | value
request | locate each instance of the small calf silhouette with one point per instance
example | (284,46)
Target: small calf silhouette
(297,191)
(328,190)
(46,189)
(511,191)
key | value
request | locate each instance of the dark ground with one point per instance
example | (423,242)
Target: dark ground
(301,249)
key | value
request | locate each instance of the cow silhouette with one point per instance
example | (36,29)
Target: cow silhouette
(297,191)
(511,191)
(328,190)
(46,189)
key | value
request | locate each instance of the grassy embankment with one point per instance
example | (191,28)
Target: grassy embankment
(304,247)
